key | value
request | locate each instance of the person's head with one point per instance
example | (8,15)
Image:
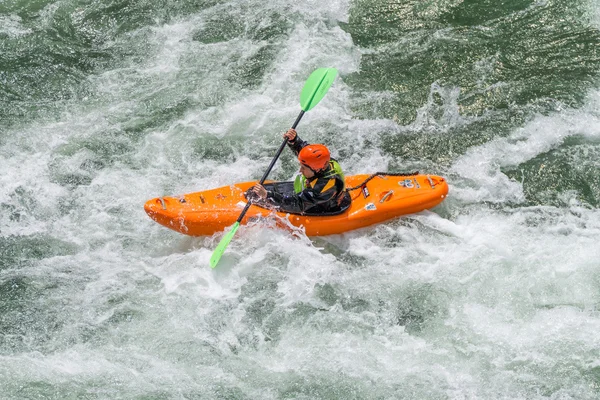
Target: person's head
(313,159)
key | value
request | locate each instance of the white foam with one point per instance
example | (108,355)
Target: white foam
(506,295)
(481,165)
(12,26)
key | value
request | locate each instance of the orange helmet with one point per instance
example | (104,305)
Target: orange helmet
(314,156)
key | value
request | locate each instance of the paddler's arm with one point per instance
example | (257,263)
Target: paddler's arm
(294,142)
(264,195)
(323,191)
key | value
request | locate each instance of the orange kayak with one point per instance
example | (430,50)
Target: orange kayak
(382,198)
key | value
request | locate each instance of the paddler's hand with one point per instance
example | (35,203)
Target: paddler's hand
(290,135)
(260,191)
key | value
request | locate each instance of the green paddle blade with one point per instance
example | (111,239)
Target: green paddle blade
(316,87)
(214,260)
(314,90)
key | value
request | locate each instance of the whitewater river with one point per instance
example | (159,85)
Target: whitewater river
(494,294)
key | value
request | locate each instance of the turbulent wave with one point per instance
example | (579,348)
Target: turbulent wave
(492,295)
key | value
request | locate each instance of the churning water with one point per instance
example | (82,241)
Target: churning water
(495,294)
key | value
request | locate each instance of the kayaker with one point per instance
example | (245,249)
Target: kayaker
(320,188)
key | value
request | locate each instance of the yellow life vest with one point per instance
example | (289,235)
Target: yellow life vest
(300,183)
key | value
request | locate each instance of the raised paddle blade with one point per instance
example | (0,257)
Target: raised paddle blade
(214,260)
(316,86)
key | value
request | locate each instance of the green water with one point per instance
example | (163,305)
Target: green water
(493,295)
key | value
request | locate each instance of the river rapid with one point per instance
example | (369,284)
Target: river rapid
(494,294)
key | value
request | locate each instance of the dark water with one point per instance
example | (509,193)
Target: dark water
(493,295)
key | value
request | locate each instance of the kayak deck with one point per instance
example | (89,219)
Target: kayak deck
(382,198)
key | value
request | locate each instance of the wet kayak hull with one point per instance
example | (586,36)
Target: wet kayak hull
(381,199)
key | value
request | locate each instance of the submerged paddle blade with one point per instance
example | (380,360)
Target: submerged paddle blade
(214,260)
(316,87)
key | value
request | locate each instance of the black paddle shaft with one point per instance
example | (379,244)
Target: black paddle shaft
(262,180)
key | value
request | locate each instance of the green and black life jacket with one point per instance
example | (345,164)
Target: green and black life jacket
(301,183)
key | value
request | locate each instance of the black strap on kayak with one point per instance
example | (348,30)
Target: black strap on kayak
(381,174)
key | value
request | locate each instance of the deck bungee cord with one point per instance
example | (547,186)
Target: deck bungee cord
(376,174)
